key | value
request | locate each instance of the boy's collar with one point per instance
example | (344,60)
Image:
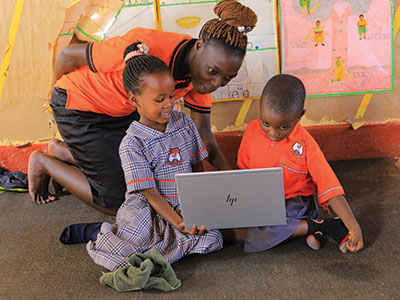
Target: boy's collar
(294,132)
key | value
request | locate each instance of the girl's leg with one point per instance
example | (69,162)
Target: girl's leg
(42,167)
(234,234)
(80,233)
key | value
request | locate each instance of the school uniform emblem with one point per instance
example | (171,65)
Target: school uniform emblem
(298,148)
(175,157)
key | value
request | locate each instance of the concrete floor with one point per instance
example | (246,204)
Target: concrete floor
(34,265)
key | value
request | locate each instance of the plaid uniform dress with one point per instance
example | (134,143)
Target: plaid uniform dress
(151,158)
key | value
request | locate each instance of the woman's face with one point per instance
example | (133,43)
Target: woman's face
(212,66)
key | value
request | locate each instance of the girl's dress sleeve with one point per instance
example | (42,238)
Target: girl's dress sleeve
(137,169)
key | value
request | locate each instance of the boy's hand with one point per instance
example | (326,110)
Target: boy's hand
(355,242)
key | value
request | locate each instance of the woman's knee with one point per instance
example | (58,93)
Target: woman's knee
(54,146)
(60,150)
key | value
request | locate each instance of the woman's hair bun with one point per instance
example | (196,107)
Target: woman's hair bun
(235,14)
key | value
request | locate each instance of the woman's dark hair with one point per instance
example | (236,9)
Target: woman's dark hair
(231,27)
(138,64)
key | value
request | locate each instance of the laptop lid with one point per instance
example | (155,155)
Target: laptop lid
(232,199)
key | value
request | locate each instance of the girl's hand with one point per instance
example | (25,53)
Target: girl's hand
(194,231)
(355,242)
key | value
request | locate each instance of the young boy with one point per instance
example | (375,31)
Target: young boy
(278,140)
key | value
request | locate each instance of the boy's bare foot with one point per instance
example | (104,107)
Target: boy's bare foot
(38,179)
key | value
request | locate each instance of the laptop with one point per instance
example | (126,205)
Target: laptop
(232,199)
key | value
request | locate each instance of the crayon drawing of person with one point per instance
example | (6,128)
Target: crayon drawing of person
(340,70)
(305,4)
(318,34)
(362,26)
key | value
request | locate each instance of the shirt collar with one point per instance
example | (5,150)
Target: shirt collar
(295,133)
(177,63)
(143,132)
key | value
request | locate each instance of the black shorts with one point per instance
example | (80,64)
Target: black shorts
(93,140)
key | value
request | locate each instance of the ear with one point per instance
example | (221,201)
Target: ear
(302,114)
(199,44)
(133,99)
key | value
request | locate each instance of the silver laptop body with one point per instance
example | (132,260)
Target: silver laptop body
(232,199)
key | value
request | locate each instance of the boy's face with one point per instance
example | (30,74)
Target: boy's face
(278,126)
(156,101)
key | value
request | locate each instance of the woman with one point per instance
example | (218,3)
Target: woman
(92,110)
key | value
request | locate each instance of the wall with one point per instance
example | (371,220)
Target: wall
(25,117)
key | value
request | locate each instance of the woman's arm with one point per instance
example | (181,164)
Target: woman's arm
(198,167)
(70,58)
(215,157)
(162,207)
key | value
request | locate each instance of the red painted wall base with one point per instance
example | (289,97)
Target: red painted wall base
(338,142)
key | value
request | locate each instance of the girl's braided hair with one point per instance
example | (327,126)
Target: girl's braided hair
(138,64)
(232,25)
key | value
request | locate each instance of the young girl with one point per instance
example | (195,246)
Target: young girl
(161,144)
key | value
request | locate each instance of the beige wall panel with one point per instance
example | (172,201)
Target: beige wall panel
(26,88)
(22,107)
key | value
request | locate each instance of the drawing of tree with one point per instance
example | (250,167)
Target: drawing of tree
(338,11)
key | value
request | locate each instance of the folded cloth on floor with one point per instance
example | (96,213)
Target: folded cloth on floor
(145,272)
(15,181)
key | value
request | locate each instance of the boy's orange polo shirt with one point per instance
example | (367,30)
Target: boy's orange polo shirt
(99,88)
(305,169)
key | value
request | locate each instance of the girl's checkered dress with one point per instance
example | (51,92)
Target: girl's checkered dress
(151,158)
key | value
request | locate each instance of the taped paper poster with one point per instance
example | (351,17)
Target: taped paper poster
(340,46)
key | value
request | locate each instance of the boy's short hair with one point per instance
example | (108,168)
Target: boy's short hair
(284,94)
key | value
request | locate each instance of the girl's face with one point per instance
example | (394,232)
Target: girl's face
(278,126)
(212,66)
(156,101)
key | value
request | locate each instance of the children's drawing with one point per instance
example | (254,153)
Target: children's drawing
(305,4)
(339,70)
(318,34)
(362,27)
(343,57)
